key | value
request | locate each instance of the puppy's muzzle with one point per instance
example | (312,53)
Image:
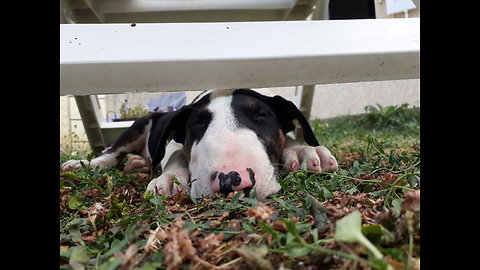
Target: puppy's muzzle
(233,181)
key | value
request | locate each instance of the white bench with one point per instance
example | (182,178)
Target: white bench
(119,58)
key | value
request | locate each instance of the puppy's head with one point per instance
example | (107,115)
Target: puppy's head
(233,140)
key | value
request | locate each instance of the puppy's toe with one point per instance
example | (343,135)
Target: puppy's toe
(328,161)
(309,156)
(290,160)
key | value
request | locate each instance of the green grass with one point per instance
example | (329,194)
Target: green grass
(108,221)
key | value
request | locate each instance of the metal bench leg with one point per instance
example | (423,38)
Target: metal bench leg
(306,100)
(88,107)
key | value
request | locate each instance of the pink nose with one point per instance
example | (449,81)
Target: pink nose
(233,181)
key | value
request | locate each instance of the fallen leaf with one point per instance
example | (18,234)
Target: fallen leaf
(179,248)
(210,242)
(64,198)
(389,178)
(279,225)
(254,257)
(319,213)
(154,239)
(129,256)
(240,194)
(395,264)
(411,202)
(94,211)
(218,222)
(261,212)
(92,193)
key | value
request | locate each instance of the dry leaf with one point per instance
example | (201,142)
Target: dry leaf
(389,178)
(254,257)
(94,211)
(279,226)
(232,194)
(129,257)
(210,242)
(218,222)
(155,237)
(179,248)
(261,212)
(411,202)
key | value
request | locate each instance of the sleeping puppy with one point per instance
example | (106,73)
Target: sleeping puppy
(224,141)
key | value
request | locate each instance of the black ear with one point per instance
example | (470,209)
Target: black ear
(287,112)
(170,125)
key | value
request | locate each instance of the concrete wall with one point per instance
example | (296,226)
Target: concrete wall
(351,98)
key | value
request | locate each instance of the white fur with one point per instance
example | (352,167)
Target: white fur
(171,147)
(225,146)
(171,168)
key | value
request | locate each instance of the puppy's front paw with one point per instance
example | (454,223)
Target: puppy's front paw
(73,165)
(318,159)
(136,163)
(165,184)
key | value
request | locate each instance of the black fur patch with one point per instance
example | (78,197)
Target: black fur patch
(252,176)
(255,114)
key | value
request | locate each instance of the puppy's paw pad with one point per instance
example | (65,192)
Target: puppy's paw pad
(136,164)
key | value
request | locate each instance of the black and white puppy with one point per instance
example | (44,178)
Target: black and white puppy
(226,140)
